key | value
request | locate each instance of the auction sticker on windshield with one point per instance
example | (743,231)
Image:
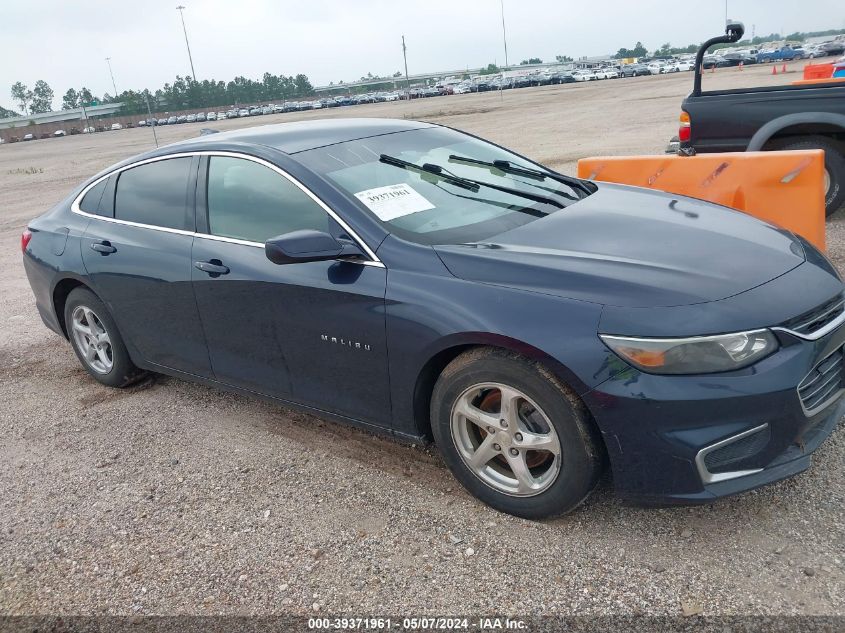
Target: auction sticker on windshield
(394,201)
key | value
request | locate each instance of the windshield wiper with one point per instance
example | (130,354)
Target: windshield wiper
(432,170)
(537,213)
(516,170)
(509,168)
(465,183)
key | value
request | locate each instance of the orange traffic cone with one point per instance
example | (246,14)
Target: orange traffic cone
(774,69)
(783,70)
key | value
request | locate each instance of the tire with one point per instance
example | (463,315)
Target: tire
(834,164)
(86,317)
(554,480)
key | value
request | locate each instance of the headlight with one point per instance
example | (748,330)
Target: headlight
(694,355)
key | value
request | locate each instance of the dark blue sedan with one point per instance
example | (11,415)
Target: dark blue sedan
(410,278)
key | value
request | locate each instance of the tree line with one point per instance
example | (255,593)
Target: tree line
(183,94)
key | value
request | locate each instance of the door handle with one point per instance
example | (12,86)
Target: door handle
(214,268)
(103,247)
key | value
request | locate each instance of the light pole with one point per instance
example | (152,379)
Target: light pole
(113,85)
(504,34)
(181,8)
(405,57)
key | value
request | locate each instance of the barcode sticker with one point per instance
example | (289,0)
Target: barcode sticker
(394,201)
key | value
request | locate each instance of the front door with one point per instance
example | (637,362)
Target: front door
(312,333)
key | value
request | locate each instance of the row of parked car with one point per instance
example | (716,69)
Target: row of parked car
(271,108)
(236,112)
(479,84)
(482,84)
(784,54)
(73,131)
(653,67)
(608,71)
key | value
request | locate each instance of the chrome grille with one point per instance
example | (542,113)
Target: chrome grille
(818,317)
(821,384)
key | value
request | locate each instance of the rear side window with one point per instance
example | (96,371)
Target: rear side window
(155,193)
(90,202)
(249,201)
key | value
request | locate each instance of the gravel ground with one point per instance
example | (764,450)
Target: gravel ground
(173,498)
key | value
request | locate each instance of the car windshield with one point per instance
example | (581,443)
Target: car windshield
(410,182)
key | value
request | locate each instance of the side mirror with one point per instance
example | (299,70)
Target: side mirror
(308,245)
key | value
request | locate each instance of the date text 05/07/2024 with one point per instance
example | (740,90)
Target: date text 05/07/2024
(418,623)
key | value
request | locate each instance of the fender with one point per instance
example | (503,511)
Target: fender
(70,278)
(488,339)
(765,133)
(416,420)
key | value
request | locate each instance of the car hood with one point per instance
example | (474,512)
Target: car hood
(632,247)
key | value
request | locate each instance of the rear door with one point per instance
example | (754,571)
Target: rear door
(310,332)
(137,251)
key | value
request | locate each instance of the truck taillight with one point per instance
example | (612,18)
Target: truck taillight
(685,129)
(25,237)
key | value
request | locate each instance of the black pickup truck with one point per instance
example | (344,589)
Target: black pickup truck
(768,118)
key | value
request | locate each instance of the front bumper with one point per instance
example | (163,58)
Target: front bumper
(658,429)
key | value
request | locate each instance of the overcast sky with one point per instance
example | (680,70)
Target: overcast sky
(66,43)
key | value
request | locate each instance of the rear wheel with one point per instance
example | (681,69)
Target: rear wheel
(834,166)
(97,341)
(513,435)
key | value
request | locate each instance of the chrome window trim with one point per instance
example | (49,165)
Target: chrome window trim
(74,207)
(711,478)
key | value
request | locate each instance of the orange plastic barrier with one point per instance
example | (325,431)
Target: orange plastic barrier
(784,188)
(829,80)
(818,71)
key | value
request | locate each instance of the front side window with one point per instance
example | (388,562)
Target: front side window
(154,194)
(251,202)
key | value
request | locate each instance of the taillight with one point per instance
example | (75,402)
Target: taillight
(25,237)
(685,129)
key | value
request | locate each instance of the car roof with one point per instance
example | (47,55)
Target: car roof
(299,136)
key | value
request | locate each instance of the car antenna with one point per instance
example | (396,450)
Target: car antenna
(152,120)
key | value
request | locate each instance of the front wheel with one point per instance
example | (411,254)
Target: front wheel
(513,435)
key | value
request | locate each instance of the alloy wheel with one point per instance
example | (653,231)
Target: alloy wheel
(505,439)
(92,340)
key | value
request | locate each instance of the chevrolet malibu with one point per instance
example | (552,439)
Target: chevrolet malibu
(413,279)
